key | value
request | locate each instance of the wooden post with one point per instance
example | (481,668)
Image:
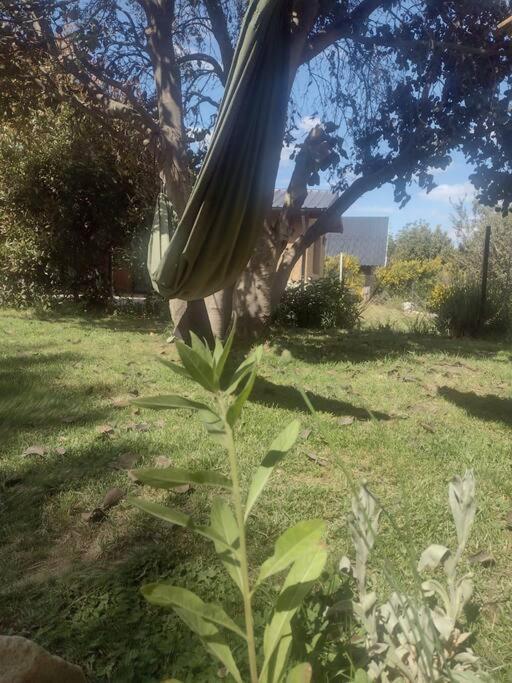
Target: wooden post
(485,273)
(341,267)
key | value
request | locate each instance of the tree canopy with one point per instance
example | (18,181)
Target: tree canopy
(417,241)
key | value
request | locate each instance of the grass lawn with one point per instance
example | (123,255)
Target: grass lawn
(439,406)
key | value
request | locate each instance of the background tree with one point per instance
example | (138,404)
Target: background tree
(418,241)
(403,84)
(71,191)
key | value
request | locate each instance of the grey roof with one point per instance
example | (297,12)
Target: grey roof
(316,199)
(363,237)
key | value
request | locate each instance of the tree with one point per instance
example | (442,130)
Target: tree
(403,83)
(417,241)
(70,193)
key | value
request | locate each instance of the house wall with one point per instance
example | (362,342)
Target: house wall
(310,266)
(370,281)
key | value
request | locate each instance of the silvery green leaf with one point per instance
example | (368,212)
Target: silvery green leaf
(442,622)
(432,557)
(461,494)
(463,593)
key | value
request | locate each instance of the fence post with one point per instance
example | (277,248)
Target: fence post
(485,273)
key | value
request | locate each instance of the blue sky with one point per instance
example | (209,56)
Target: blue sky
(452,184)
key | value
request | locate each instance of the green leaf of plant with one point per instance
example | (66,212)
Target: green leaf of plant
(278,449)
(361,676)
(164,595)
(176,517)
(222,351)
(432,557)
(197,367)
(235,408)
(214,425)
(300,539)
(301,673)
(169,402)
(223,523)
(178,369)
(201,348)
(244,369)
(170,477)
(212,639)
(277,663)
(301,577)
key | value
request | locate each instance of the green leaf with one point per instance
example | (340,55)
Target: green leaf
(277,664)
(235,408)
(300,539)
(222,351)
(170,401)
(244,369)
(164,595)
(197,366)
(301,673)
(214,425)
(178,369)
(278,449)
(211,638)
(176,517)
(361,676)
(301,577)
(223,523)
(170,477)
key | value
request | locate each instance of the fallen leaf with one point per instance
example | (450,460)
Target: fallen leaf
(120,402)
(182,489)
(60,451)
(305,434)
(428,427)
(345,420)
(142,427)
(482,557)
(125,461)
(133,476)
(408,378)
(160,424)
(35,450)
(105,429)
(315,458)
(95,516)
(112,497)
(163,461)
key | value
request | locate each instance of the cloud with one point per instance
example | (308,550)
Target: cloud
(450,193)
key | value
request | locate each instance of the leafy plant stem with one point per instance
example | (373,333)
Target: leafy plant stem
(244,568)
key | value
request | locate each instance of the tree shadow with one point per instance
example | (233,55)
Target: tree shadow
(361,346)
(488,407)
(278,395)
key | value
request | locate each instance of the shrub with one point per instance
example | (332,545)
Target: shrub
(352,275)
(416,638)
(414,278)
(320,304)
(458,310)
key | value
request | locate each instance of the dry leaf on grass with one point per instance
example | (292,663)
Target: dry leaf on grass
(120,402)
(305,434)
(60,451)
(427,427)
(345,420)
(105,429)
(112,497)
(163,461)
(186,488)
(315,458)
(483,558)
(93,517)
(125,461)
(34,450)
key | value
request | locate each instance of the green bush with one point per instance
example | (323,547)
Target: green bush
(321,304)
(458,311)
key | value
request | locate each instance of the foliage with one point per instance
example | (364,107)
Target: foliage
(416,638)
(69,193)
(321,304)
(299,550)
(352,275)
(415,277)
(418,242)
(459,313)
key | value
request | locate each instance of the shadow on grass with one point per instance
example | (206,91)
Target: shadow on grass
(488,407)
(30,399)
(367,345)
(287,397)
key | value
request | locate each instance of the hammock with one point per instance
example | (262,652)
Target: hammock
(226,210)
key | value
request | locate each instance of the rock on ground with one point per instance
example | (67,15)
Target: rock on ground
(22,661)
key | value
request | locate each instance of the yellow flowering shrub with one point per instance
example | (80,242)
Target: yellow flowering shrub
(401,275)
(352,275)
(438,296)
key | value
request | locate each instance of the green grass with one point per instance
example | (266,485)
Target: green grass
(438,406)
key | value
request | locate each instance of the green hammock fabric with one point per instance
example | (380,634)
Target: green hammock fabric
(224,215)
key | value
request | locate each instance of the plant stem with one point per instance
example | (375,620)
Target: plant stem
(244,565)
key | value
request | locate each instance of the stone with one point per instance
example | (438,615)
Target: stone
(23,661)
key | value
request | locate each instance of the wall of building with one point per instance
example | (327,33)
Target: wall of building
(310,266)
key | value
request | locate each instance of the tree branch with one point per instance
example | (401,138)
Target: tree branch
(203,57)
(220,31)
